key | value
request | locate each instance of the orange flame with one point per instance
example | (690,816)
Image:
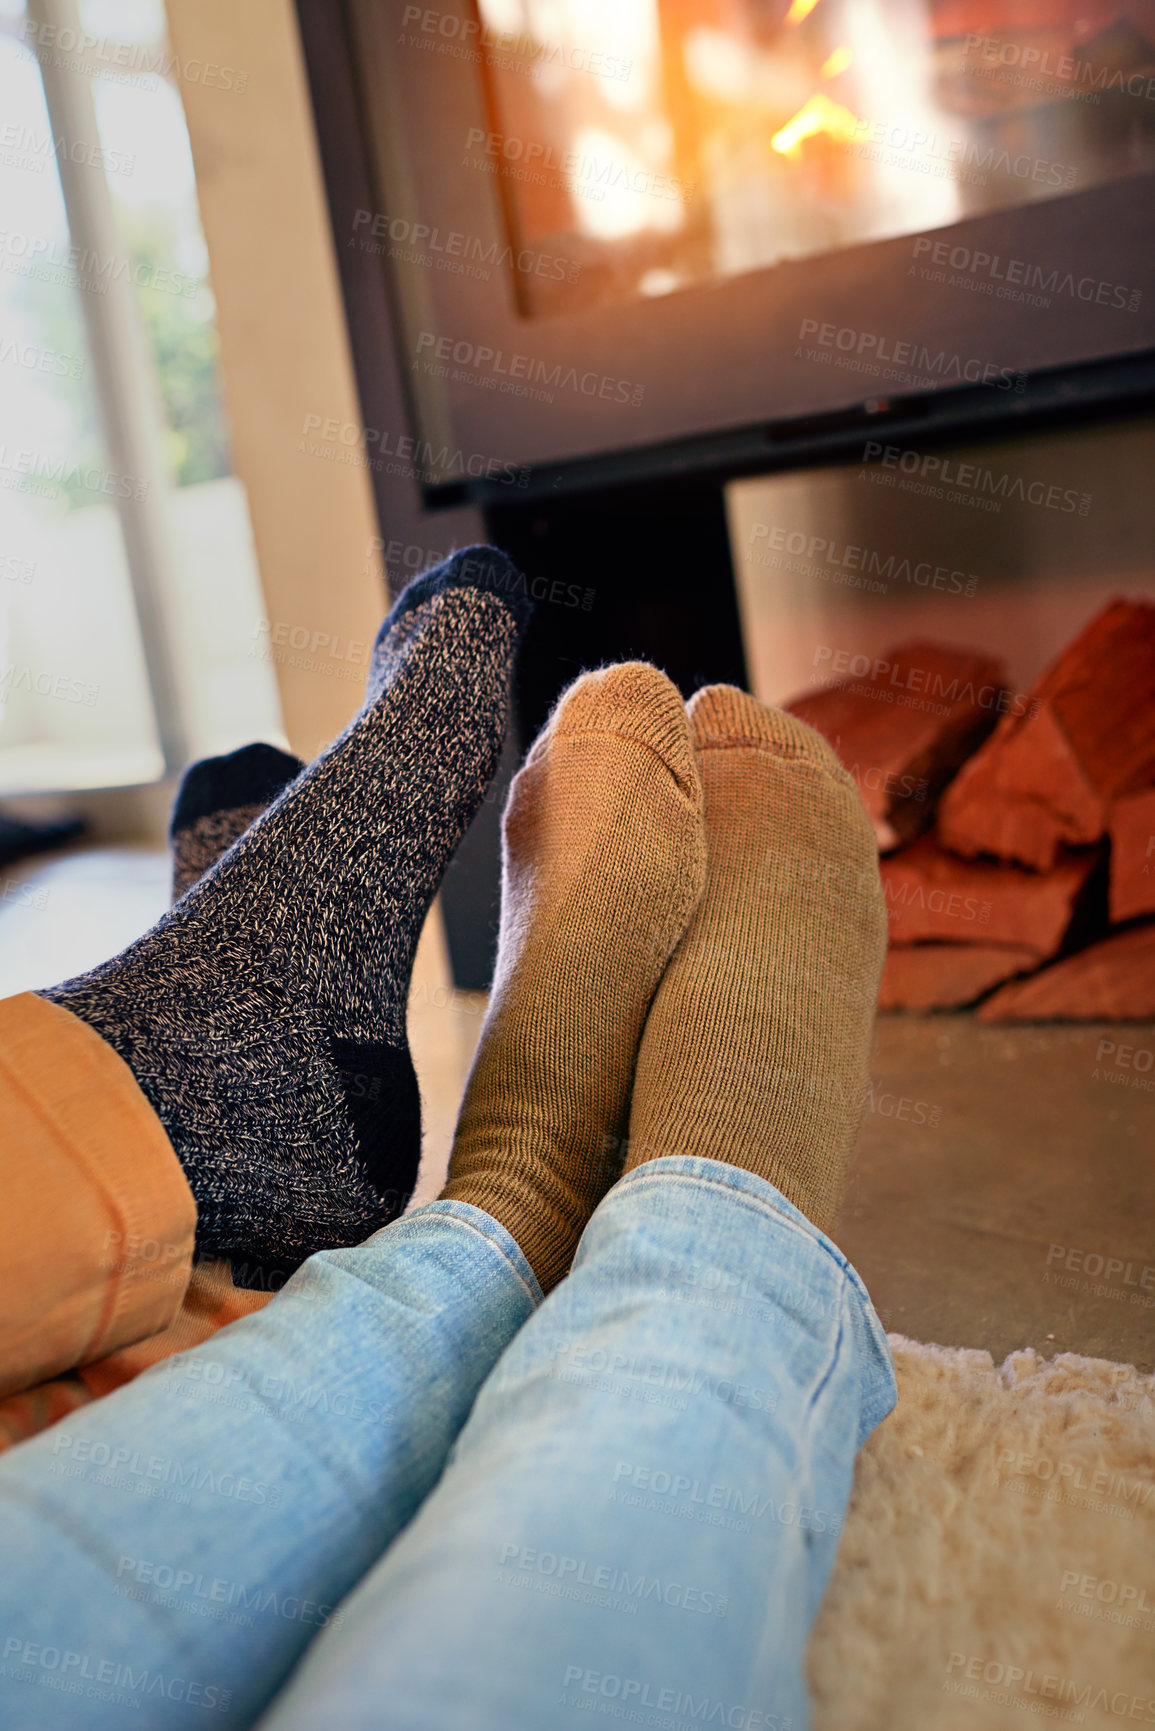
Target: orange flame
(817,114)
(799,9)
(837,62)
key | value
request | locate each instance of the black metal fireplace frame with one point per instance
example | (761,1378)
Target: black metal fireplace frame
(641,521)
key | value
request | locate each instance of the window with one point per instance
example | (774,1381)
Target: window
(130,605)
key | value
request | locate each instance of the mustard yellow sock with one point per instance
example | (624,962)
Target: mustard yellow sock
(757,1046)
(603,865)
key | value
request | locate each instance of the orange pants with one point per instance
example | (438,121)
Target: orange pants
(96,1226)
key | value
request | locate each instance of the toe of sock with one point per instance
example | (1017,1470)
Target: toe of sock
(635,699)
(484,568)
(253,775)
(721,715)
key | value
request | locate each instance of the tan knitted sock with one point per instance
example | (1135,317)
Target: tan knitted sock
(756,1049)
(603,865)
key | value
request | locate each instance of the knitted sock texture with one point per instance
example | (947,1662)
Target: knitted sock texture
(265,1016)
(603,864)
(218,798)
(757,1046)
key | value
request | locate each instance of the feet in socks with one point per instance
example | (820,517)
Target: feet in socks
(603,864)
(218,798)
(264,1018)
(756,1048)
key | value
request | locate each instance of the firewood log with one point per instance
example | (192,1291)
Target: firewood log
(948,976)
(1133,856)
(1049,776)
(903,729)
(1113,981)
(932,896)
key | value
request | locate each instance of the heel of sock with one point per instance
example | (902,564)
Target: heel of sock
(379,1087)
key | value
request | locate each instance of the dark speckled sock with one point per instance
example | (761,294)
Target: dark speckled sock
(265,1016)
(218,798)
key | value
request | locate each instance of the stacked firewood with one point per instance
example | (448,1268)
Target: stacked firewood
(1017,828)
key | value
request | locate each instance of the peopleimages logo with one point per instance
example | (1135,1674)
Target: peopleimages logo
(868,351)
(147,1475)
(961,158)
(675,1705)
(378,449)
(605,1578)
(1068,1476)
(596,175)
(41,360)
(886,677)
(81,267)
(1036,64)
(27,471)
(506,50)
(454,250)
(582,1362)
(711,1503)
(216,1594)
(88,1674)
(1017,279)
(1093,1262)
(40,683)
(517,374)
(1009,1684)
(22,147)
(946,477)
(81,51)
(850,558)
(1107,1592)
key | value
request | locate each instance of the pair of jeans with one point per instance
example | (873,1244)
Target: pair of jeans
(625,1500)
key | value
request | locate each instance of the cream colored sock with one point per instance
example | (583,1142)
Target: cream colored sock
(603,865)
(757,1045)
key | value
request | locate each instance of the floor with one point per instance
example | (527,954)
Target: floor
(1003,1185)
(1003,1191)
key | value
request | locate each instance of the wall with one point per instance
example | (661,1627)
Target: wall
(285,354)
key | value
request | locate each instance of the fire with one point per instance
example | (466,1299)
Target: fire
(799,9)
(837,62)
(818,114)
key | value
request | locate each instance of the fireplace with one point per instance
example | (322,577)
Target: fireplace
(701,140)
(679,301)
(603,228)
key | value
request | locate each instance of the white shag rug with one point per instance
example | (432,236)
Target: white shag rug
(997,1565)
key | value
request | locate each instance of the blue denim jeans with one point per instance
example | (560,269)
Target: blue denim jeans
(637,1518)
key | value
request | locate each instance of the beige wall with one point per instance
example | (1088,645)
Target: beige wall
(284,352)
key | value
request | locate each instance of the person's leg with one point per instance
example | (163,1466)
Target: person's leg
(211,1302)
(96,1219)
(96,1229)
(644,1507)
(218,799)
(264,1017)
(178,1544)
(643,1510)
(303,1437)
(604,865)
(244,1069)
